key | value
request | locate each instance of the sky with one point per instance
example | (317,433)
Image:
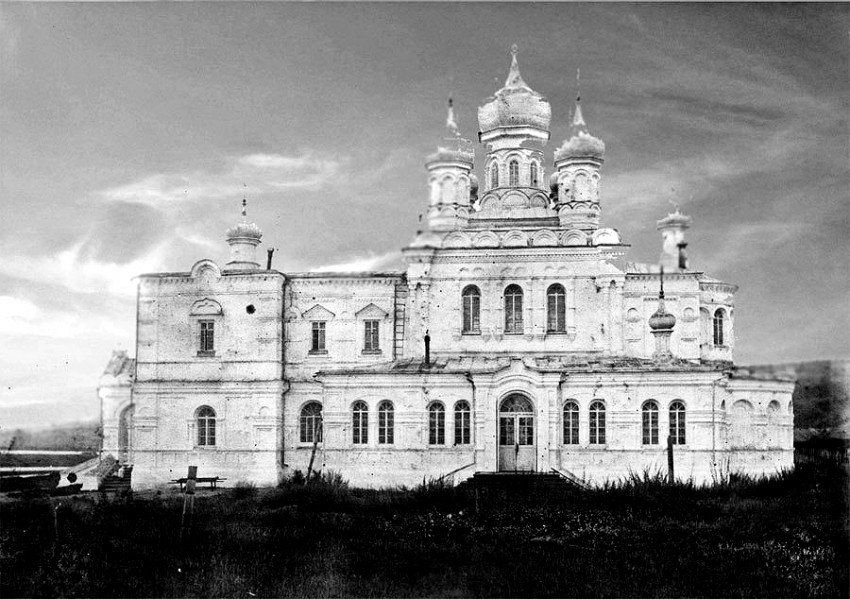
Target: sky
(130,132)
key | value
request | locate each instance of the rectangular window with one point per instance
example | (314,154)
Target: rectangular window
(207,337)
(370,340)
(462,427)
(318,339)
(571,427)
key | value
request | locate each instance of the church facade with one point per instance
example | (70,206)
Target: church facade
(516,339)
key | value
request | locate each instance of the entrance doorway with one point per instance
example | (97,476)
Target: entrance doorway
(517,451)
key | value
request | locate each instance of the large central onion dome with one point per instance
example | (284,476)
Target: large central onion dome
(515,105)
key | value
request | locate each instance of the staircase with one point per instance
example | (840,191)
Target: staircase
(401,293)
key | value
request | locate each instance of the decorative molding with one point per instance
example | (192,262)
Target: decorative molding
(206,307)
(318,312)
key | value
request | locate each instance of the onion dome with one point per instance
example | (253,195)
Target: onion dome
(459,150)
(675,220)
(244,230)
(662,320)
(515,105)
(581,144)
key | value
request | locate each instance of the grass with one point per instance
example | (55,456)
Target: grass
(784,537)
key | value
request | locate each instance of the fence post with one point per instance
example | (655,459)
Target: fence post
(671,477)
(188,502)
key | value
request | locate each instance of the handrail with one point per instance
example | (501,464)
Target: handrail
(571,477)
(455,471)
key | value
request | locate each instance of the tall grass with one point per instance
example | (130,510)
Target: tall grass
(783,537)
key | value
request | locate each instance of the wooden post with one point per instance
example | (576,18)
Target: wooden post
(188,502)
(317,426)
(671,477)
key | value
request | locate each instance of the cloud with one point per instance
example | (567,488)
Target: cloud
(261,173)
(21,317)
(69,269)
(362,264)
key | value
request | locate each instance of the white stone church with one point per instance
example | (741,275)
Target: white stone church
(515,339)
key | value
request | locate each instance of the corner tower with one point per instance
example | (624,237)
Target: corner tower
(578,162)
(514,124)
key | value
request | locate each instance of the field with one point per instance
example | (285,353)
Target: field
(785,537)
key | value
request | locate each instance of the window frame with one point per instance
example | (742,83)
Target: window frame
(513,305)
(206,338)
(557,293)
(359,423)
(205,427)
(571,423)
(719,327)
(678,423)
(463,423)
(513,173)
(649,427)
(533,175)
(436,424)
(470,302)
(372,339)
(386,423)
(494,175)
(318,336)
(597,425)
(310,424)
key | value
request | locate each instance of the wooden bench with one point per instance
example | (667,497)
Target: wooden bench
(212,481)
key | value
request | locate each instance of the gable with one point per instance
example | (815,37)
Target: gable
(318,312)
(371,312)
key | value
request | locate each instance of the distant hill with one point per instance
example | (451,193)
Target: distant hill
(821,405)
(84,436)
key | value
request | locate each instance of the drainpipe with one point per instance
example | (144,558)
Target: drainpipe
(468,376)
(714,423)
(427,348)
(560,408)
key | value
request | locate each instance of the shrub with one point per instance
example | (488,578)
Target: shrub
(244,490)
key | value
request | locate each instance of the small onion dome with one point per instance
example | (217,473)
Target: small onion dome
(244,231)
(459,154)
(553,182)
(675,220)
(581,144)
(473,185)
(515,105)
(662,320)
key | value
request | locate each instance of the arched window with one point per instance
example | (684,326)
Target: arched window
(513,309)
(494,175)
(774,427)
(556,309)
(719,317)
(677,422)
(436,424)
(386,423)
(534,178)
(463,423)
(471,300)
(571,423)
(360,423)
(649,413)
(311,423)
(740,430)
(205,418)
(597,423)
(513,172)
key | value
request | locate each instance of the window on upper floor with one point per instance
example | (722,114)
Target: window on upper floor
(463,423)
(677,422)
(205,422)
(571,423)
(207,339)
(534,177)
(513,309)
(371,343)
(649,419)
(513,173)
(317,340)
(556,309)
(359,423)
(494,175)
(436,424)
(311,423)
(471,307)
(386,423)
(597,423)
(719,318)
